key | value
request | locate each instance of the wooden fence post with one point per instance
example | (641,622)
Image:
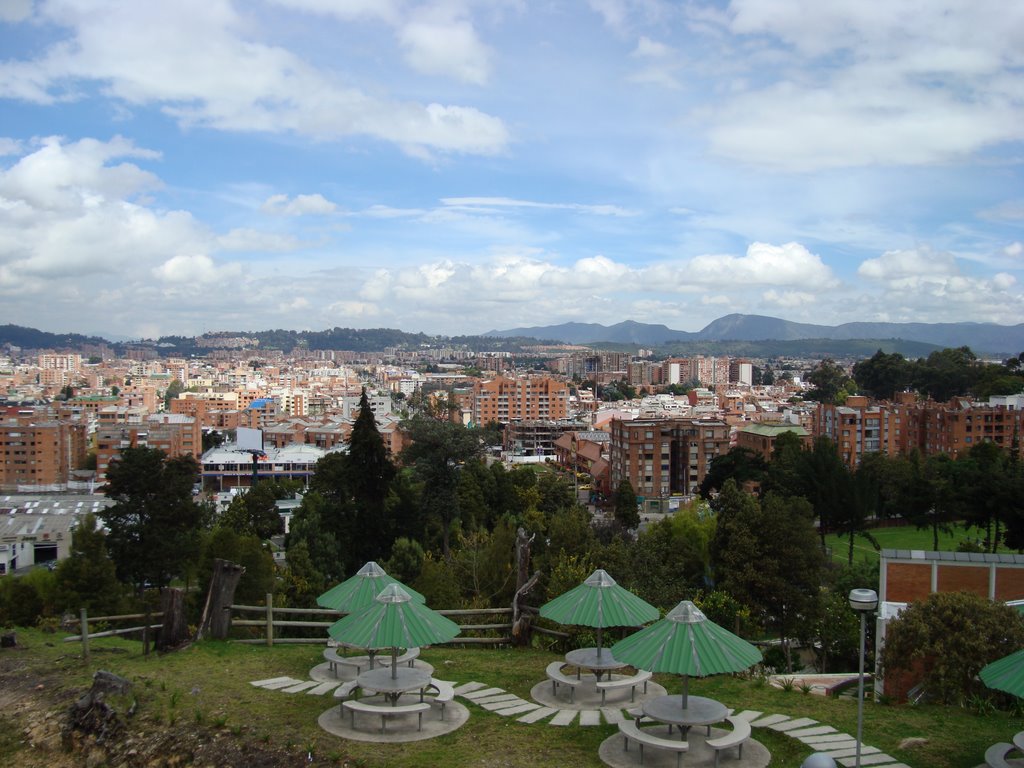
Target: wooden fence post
(147,620)
(270,618)
(85,635)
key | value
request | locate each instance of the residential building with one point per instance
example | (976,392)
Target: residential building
(664,457)
(760,437)
(505,400)
(38,451)
(174,434)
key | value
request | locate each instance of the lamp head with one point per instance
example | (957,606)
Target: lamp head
(863,600)
(818,760)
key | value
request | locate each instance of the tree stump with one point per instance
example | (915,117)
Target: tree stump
(174,629)
(216,620)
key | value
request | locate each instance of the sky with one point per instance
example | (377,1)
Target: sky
(457,166)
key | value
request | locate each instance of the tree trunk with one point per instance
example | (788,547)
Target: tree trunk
(174,631)
(216,620)
(521,622)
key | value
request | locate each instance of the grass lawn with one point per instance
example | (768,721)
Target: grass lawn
(207,686)
(899,537)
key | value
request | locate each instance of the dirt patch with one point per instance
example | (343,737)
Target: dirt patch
(39,728)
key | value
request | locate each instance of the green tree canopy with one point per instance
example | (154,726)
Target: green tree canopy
(154,522)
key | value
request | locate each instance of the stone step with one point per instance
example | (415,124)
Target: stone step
(469,687)
(564,717)
(537,715)
(590,717)
(518,709)
(483,693)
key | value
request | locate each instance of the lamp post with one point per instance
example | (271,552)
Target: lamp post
(864,601)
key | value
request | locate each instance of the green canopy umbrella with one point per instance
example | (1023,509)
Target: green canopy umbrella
(359,591)
(1005,674)
(394,620)
(686,643)
(599,602)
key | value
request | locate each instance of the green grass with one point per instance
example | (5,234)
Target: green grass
(899,537)
(207,686)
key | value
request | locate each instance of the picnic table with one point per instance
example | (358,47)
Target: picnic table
(392,683)
(698,711)
(590,658)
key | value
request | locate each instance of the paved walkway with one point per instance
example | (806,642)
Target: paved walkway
(817,736)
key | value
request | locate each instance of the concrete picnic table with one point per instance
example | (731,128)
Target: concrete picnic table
(589,658)
(698,711)
(392,683)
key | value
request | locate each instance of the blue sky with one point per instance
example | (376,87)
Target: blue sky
(452,166)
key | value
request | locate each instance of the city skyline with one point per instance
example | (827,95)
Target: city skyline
(453,167)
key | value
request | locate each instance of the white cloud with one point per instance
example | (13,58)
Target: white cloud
(15,10)
(242,239)
(200,62)
(1014,250)
(648,48)
(839,84)
(346,10)
(788,299)
(197,268)
(446,47)
(300,205)
(1011,210)
(763,264)
(918,264)
(10,147)
(488,204)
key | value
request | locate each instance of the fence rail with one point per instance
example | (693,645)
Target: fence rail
(271,623)
(85,635)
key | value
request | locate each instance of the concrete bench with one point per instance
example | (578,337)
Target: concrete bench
(385,711)
(737,737)
(343,691)
(557,678)
(409,657)
(642,676)
(630,731)
(445,693)
(334,660)
(995,756)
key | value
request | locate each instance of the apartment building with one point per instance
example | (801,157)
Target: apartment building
(664,457)
(174,434)
(40,451)
(760,437)
(505,400)
(535,438)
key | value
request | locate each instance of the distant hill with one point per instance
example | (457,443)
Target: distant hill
(30,338)
(983,338)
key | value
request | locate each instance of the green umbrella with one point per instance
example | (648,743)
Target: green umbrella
(359,591)
(599,602)
(1006,674)
(686,643)
(393,621)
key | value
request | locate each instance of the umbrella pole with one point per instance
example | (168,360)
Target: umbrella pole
(394,663)
(686,689)
(599,642)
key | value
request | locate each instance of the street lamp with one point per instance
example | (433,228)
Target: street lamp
(818,760)
(864,601)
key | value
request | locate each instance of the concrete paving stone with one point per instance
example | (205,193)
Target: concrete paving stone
(769,720)
(469,687)
(322,688)
(827,737)
(841,754)
(497,697)
(750,715)
(285,683)
(564,717)
(874,759)
(612,715)
(590,717)
(834,746)
(300,687)
(503,704)
(518,709)
(268,681)
(818,730)
(789,725)
(537,714)
(482,693)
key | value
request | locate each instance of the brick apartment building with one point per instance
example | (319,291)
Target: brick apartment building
(860,426)
(174,434)
(520,399)
(664,457)
(760,437)
(39,450)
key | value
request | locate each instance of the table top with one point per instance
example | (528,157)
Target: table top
(588,658)
(699,710)
(380,679)
(1018,740)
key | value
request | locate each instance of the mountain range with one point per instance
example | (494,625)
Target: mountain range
(986,338)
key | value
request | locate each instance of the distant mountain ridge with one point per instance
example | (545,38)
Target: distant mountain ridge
(980,337)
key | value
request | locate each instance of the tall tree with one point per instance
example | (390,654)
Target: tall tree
(882,375)
(766,556)
(739,464)
(369,469)
(437,453)
(830,383)
(154,522)
(626,513)
(88,578)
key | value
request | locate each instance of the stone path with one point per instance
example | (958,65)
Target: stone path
(842,747)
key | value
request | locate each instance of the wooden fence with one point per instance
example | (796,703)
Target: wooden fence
(145,629)
(270,622)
